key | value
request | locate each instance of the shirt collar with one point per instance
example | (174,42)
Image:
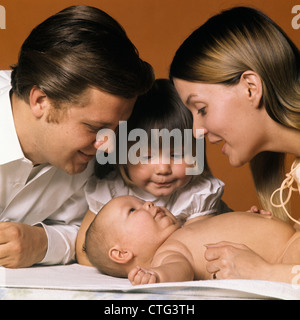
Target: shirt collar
(9,143)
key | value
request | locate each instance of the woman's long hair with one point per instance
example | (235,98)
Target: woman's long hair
(229,44)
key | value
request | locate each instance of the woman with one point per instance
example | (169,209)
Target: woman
(239,74)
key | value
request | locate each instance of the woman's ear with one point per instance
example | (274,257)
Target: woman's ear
(252,84)
(38,101)
(119,255)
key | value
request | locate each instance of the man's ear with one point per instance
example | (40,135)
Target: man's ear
(120,255)
(252,85)
(38,101)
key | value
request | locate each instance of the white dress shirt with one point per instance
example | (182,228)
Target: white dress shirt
(41,195)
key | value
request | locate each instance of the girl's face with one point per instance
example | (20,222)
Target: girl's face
(158,178)
(226,113)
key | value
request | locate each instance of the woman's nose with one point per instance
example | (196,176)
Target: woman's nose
(199,130)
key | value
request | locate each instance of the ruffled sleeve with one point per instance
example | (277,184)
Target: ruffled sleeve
(200,197)
(100,191)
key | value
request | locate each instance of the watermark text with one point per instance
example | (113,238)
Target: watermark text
(158,148)
(296,278)
(296,18)
(2,17)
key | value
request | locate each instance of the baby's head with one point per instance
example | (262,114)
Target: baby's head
(127,232)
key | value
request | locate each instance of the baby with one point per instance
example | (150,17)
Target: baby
(135,239)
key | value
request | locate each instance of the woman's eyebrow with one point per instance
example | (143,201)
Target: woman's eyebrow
(188,100)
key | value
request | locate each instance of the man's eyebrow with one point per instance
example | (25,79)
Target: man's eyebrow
(98,124)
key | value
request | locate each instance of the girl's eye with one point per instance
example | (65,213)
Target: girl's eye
(131,210)
(202,111)
(176,155)
(147,157)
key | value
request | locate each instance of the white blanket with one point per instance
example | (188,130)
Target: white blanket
(81,282)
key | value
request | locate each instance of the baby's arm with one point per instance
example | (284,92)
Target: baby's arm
(80,241)
(174,267)
(140,275)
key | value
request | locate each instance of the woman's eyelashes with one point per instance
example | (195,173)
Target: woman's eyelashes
(202,111)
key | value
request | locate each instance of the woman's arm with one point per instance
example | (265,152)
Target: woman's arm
(80,241)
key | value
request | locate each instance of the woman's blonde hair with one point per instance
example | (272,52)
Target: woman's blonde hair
(229,44)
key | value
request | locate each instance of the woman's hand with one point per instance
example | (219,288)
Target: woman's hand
(227,260)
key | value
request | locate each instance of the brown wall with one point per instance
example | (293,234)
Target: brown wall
(157,28)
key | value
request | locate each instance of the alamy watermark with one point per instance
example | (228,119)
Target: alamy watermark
(155,152)
(2,281)
(295,21)
(296,18)
(2,18)
(296,278)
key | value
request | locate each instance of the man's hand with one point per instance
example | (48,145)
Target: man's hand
(21,245)
(140,275)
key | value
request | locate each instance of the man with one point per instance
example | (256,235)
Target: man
(77,73)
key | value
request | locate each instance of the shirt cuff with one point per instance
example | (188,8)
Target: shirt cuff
(58,251)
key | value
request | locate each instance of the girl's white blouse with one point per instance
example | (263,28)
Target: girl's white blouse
(200,197)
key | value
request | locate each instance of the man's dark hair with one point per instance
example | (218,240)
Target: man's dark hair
(78,48)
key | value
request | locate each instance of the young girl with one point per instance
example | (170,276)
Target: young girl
(165,184)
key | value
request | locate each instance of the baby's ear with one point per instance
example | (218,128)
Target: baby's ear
(120,255)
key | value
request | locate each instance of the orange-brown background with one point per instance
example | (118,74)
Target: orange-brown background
(157,28)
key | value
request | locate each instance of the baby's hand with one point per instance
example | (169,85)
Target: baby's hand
(254,209)
(139,275)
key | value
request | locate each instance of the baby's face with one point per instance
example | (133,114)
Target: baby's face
(140,224)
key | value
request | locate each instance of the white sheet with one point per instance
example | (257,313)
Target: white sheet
(81,282)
